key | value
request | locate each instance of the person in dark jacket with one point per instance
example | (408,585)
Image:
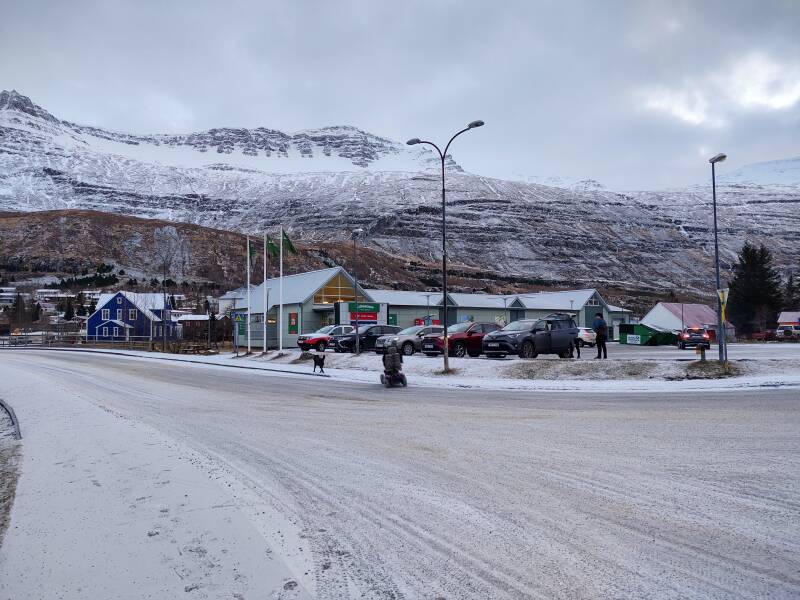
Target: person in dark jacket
(601,329)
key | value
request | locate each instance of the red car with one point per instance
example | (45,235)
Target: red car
(320,340)
(463,339)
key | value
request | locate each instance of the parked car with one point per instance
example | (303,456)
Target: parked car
(787,332)
(462,339)
(586,337)
(367,336)
(695,337)
(408,340)
(321,338)
(528,338)
(763,336)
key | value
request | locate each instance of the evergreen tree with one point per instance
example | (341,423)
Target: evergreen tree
(81,312)
(19,316)
(791,294)
(69,310)
(92,307)
(755,291)
(36,312)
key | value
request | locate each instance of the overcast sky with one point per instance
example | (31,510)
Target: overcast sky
(637,95)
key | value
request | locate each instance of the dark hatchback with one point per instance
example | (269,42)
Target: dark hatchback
(367,334)
(528,338)
(694,337)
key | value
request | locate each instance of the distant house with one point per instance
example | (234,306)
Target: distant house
(124,316)
(789,317)
(676,316)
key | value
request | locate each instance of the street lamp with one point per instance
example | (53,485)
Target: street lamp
(355,233)
(720,325)
(442,156)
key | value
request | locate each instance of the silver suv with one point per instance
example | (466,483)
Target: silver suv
(408,340)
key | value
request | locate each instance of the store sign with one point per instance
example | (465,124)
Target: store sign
(293,323)
(364,316)
(636,340)
(364,307)
(242,327)
(392,319)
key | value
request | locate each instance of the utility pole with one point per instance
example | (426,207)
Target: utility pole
(720,325)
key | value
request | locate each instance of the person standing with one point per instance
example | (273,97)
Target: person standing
(601,329)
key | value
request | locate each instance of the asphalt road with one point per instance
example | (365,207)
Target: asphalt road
(441,493)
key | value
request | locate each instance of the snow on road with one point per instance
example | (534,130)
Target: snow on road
(110,508)
(413,493)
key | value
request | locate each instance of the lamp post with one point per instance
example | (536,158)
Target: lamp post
(354,235)
(506,300)
(442,156)
(720,325)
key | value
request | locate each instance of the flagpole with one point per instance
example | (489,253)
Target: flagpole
(249,349)
(264,298)
(280,300)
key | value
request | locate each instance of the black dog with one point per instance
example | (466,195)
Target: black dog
(319,361)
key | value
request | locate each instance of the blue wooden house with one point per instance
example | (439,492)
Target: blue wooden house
(131,316)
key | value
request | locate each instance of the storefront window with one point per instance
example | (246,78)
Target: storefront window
(338,289)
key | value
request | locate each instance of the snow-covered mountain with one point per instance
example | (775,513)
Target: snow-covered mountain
(323,182)
(773,172)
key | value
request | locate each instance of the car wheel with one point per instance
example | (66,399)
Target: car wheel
(321,346)
(408,349)
(563,354)
(682,346)
(459,349)
(473,354)
(527,350)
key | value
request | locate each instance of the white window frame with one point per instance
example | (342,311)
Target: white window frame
(119,299)
(132,314)
(105,314)
(105,331)
(119,314)
(116,331)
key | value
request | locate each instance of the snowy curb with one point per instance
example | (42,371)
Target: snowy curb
(13,417)
(731,384)
(156,356)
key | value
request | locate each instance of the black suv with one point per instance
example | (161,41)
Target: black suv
(694,336)
(367,334)
(555,334)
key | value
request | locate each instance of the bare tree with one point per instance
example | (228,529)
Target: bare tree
(172,253)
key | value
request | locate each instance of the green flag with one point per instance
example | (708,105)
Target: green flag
(288,245)
(272,247)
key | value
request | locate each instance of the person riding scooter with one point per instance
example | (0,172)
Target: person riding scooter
(392,368)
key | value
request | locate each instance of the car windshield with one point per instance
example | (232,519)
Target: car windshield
(518,326)
(411,330)
(700,331)
(459,327)
(326,329)
(364,328)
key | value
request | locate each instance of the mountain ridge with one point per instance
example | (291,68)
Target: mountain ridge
(659,240)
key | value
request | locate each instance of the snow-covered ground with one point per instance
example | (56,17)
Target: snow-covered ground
(262,485)
(110,508)
(630,368)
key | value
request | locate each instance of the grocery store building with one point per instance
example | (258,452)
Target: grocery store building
(325,297)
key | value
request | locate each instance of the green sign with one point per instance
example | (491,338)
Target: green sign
(242,327)
(391,319)
(363,307)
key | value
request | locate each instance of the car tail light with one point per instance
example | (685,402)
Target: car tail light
(684,335)
(706,336)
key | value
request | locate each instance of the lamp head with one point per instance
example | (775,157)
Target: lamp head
(475,124)
(718,158)
(413,141)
